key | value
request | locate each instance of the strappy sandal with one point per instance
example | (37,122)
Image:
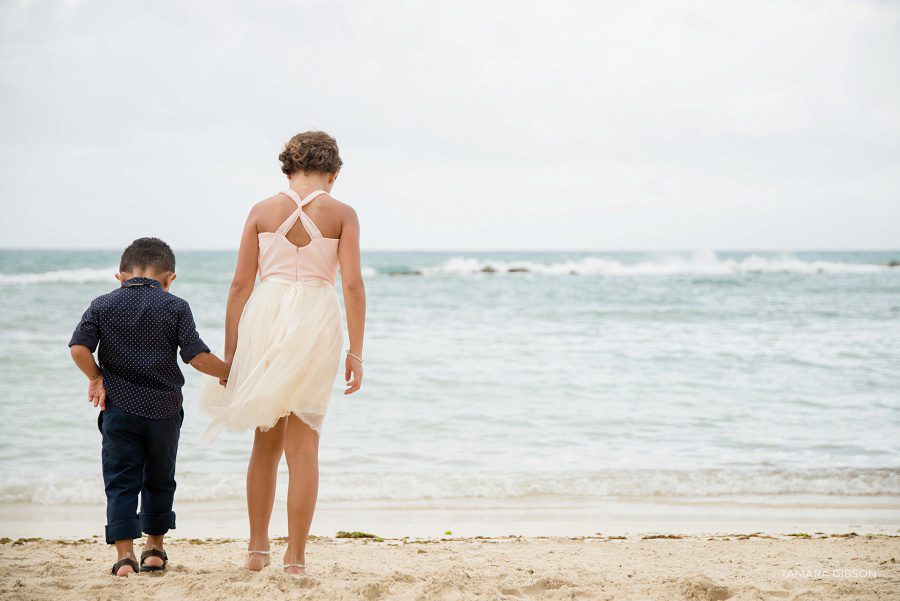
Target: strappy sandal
(294,565)
(128,561)
(259,553)
(154,553)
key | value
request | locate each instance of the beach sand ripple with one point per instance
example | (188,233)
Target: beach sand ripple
(694,568)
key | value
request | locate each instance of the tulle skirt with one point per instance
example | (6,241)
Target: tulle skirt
(287,358)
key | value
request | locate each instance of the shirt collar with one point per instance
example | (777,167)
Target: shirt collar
(141,281)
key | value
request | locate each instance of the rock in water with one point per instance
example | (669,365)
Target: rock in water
(414,272)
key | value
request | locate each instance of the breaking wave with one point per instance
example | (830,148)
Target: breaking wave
(54,489)
(701,263)
(70,276)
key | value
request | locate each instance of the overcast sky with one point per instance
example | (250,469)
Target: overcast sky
(463,125)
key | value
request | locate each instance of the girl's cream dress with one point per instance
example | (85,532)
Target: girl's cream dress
(289,336)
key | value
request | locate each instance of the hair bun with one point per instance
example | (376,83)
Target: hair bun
(310,151)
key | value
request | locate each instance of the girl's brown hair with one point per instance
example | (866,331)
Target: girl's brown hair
(310,151)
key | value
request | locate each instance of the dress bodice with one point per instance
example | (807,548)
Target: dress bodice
(280,259)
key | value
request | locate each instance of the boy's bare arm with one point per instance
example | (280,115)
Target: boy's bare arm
(210,365)
(84,359)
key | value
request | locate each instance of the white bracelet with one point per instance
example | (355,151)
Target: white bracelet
(354,356)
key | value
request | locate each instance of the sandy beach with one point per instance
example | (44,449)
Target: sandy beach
(733,566)
(533,548)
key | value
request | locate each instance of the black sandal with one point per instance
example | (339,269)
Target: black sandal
(154,553)
(128,561)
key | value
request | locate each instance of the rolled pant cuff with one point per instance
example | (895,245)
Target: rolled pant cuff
(123,530)
(157,524)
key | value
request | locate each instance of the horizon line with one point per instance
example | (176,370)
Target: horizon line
(477,250)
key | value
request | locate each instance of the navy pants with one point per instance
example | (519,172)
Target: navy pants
(138,460)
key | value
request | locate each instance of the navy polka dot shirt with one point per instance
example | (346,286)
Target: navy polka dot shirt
(139,328)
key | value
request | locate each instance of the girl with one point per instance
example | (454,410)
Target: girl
(283,338)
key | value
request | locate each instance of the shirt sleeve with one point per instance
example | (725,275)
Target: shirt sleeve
(188,337)
(87,333)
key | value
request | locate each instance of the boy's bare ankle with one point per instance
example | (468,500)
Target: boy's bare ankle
(154,542)
(124,548)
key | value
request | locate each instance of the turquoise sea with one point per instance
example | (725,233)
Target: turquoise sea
(503,375)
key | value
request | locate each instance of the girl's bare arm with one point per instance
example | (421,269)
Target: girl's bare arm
(354,297)
(241,284)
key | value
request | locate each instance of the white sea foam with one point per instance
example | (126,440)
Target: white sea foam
(55,489)
(699,263)
(62,275)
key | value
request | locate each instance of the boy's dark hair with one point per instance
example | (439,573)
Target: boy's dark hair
(148,253)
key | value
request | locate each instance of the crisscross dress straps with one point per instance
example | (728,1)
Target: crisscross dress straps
(308,224)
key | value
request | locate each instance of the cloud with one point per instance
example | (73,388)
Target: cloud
(685,124)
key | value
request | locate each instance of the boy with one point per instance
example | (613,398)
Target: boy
(137,386)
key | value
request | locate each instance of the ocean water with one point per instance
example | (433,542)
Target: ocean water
(504,375)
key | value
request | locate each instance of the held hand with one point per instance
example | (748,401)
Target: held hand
(96,393)
(227,360)
(353,366)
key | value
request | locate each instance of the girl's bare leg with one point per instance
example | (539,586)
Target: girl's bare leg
(261,477)
(301,449)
